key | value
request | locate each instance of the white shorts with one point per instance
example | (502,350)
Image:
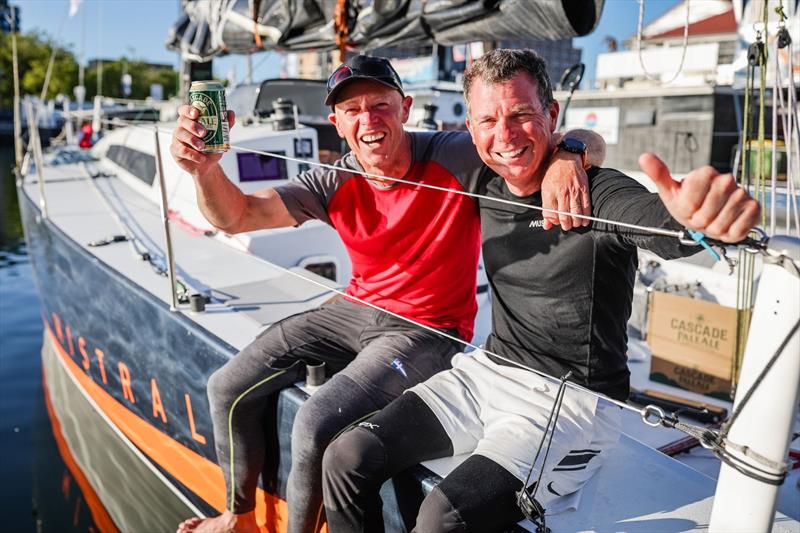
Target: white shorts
(500,412)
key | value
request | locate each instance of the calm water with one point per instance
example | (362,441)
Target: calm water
(37,490)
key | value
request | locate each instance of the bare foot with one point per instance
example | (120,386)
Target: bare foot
(188,525)
(227,522)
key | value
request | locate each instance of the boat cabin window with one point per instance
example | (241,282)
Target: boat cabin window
(257,167)
(140,164)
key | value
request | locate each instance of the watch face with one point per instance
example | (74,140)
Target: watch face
(572,145)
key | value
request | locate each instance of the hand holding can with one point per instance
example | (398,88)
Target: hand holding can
(208,97)
(187,147)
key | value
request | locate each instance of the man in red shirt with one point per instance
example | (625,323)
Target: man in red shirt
(414,253)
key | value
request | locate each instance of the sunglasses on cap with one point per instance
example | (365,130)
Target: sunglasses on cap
(362,68)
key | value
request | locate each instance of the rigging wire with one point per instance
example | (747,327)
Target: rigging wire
(139,248)
(746,398)
(575,386)
(777,85)
(708,437)
(48,73)
(745,275)
(678,234)
(789,120)
(526,500)
(639,28)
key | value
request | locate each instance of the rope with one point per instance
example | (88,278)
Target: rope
(639,27)
(758,190)
(777,86)
(139,248)
(341,29)
(746,398)
(789,120)
(526,501)
(647,229)
(745,274)
(256,34)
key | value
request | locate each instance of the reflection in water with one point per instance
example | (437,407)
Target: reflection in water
(40,490)
(63,498)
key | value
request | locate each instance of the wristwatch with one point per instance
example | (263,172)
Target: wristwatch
(575,146)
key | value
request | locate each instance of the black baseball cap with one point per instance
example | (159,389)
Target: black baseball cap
(362,68)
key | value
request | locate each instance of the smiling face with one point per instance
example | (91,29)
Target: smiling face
(370,117)
(512,131)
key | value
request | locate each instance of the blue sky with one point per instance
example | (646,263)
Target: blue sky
(138,29)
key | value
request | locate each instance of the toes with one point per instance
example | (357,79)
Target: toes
(189,525)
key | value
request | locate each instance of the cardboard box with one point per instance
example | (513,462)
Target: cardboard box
(693,344)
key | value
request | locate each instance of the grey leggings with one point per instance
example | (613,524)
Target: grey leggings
(374,357)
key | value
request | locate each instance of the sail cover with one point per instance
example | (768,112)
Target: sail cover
(212,27)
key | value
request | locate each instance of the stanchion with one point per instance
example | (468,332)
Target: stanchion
(173,306)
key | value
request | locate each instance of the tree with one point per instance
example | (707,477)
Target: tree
(142,74)
(33,51)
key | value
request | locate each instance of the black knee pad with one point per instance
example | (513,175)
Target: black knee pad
(438,515)
(356,451)
(483,495)
(353,464)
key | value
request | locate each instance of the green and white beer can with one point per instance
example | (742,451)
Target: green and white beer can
(209,98)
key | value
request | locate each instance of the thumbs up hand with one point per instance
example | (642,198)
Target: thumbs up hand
(705,200)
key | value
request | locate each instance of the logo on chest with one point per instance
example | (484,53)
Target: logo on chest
(538,223)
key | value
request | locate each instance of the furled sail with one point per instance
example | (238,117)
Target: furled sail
(212,27)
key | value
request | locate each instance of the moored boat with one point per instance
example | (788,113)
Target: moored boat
(127,360)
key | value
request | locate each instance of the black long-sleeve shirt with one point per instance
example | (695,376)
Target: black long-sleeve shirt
(561,300)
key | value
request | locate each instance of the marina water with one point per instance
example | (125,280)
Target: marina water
(39,491)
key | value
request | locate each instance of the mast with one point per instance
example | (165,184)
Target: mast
(99,47)
(17,123)
(762,431)
(82,66)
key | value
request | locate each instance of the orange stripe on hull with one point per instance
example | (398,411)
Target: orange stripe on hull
(198,474)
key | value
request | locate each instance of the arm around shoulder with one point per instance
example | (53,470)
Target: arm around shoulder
(595,145)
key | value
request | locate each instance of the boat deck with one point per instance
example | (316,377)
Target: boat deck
(637,490)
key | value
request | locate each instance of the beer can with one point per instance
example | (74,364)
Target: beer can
(209,98)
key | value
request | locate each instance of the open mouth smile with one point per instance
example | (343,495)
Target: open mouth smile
(373,138)
(511,155)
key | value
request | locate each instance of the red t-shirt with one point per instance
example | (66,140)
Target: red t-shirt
(414,250)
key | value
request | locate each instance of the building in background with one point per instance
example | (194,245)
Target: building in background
(686,103)
(708,60)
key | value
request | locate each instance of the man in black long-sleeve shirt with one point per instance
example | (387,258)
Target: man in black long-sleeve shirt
(561,301)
